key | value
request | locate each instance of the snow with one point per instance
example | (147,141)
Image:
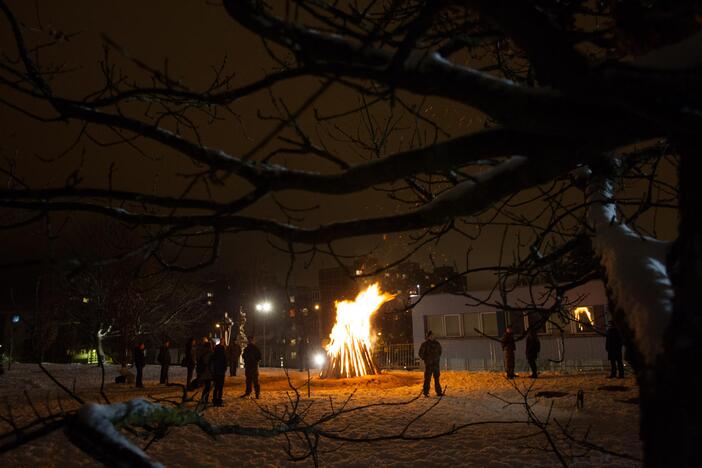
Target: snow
(611,420)
(461,192)
(101,418)
(636,274)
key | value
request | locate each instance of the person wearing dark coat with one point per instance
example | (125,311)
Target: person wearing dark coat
(204,368)
(234,355)
(139,363)
(533,346)
(164,358)
(508,348)
(190,360)
(430,353)
(613,345)
(218,366)
(251,356)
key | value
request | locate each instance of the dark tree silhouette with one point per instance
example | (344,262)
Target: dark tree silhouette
(585,106)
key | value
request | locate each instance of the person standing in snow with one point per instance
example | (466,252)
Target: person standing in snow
(218,366)
(190,360)
(234,354)
(139,363)
(613,346)
(203,368)
(251,357)
(430,353)
(533,346)
(164,358)
(508,348)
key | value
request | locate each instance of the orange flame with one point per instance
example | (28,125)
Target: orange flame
(350,349)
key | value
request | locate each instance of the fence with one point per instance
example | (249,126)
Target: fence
(395,356)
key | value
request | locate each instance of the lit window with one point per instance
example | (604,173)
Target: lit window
(583,319)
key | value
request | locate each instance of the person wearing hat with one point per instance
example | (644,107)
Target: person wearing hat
(430,353)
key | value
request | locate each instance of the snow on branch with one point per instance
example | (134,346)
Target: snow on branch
(93,429)
(636,271)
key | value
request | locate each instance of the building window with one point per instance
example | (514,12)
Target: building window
(583,319)
(471,323)
(557,322)
(601,317)
(452,324)
(534,318)
(435,324)
(489,323)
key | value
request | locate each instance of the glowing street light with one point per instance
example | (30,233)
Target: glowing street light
(264,307)
(319,360)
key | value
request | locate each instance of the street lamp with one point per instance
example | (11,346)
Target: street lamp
(319,360)
(264,307)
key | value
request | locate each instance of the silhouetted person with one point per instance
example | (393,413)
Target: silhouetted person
(508,348)
(204,369)
(164,358)
(218,365)
(613,345)
(252,355)
(533,346)
(234,355)
(139,363)
(430,353)
(190,360)
(303,353)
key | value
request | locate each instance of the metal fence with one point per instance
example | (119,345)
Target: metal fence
(395,356)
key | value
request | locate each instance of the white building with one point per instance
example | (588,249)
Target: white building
(564,343)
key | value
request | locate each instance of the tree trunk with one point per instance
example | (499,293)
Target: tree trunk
(123,347)
(671,392)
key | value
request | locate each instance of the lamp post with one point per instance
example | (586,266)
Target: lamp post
(264,308)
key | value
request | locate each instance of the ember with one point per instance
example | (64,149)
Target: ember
(349,352)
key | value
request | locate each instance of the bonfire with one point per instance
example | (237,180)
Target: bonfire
(350,348)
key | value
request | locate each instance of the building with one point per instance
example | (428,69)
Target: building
(469,332)
(335,284)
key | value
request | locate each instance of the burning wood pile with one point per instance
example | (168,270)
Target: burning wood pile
(350,349)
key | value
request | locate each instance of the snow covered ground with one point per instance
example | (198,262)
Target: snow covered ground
(609,417)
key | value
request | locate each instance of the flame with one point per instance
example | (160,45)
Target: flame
(578,312)
(350,348)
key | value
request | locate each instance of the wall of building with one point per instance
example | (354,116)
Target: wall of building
(578,349)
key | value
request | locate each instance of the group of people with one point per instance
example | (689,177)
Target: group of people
(532,349)
(430,353)
(206,366)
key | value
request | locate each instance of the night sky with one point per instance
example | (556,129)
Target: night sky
(194,37)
